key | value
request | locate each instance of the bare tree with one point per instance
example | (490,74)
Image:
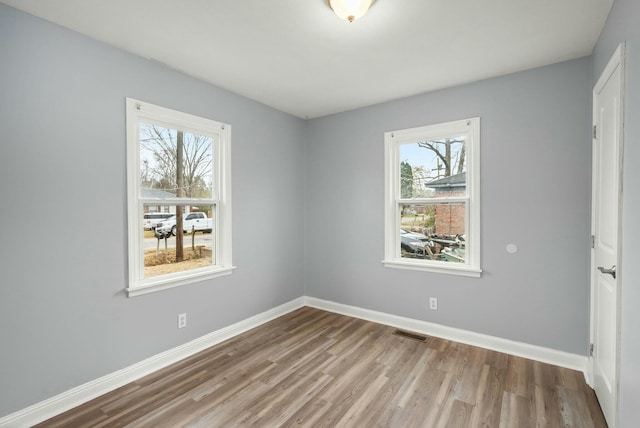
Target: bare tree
(444,150)
(181,163)
(196,163)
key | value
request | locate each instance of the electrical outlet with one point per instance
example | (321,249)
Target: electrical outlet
(182,320)
(433,303)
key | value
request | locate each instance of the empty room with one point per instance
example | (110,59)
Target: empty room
(320,213)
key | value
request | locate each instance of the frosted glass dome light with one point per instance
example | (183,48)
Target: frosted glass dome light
(350,10)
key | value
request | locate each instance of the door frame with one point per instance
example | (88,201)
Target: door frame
(617,60)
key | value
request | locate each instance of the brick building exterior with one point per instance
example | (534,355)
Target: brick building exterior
(450,218)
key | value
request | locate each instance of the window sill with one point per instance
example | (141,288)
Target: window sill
(461,270)
(163,284)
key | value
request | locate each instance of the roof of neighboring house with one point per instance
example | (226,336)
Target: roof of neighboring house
(456,180)
(155,193)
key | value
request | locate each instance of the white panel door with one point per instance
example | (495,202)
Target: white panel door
(607,162)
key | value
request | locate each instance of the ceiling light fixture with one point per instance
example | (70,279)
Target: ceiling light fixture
(350,10)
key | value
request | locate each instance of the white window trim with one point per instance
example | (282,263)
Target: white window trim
(470,128)
(137,112)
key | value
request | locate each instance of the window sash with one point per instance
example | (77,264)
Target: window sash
(177,201)
(468,128)
(139,112)
(429,201)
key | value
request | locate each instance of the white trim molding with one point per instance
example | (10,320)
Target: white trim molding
(519,349)
(67,400)
(81,394)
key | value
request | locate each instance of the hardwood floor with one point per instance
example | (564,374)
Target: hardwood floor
(318,369)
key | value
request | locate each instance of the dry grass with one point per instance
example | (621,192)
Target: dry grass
(165,263)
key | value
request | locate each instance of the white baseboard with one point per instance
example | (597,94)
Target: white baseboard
(81,394)
(74,397)
(532,352)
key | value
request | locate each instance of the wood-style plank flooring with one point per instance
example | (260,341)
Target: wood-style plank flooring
(314,368)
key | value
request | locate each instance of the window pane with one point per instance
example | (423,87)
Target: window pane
(161,237)
(159,167)
(434,168)
(433,232)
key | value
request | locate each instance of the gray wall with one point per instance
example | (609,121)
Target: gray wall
(622,26)
(64,319)
(535,150)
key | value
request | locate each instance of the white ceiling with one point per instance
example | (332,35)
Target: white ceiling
(298,57)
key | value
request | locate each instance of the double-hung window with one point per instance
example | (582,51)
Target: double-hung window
(432,198)
(178,164)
